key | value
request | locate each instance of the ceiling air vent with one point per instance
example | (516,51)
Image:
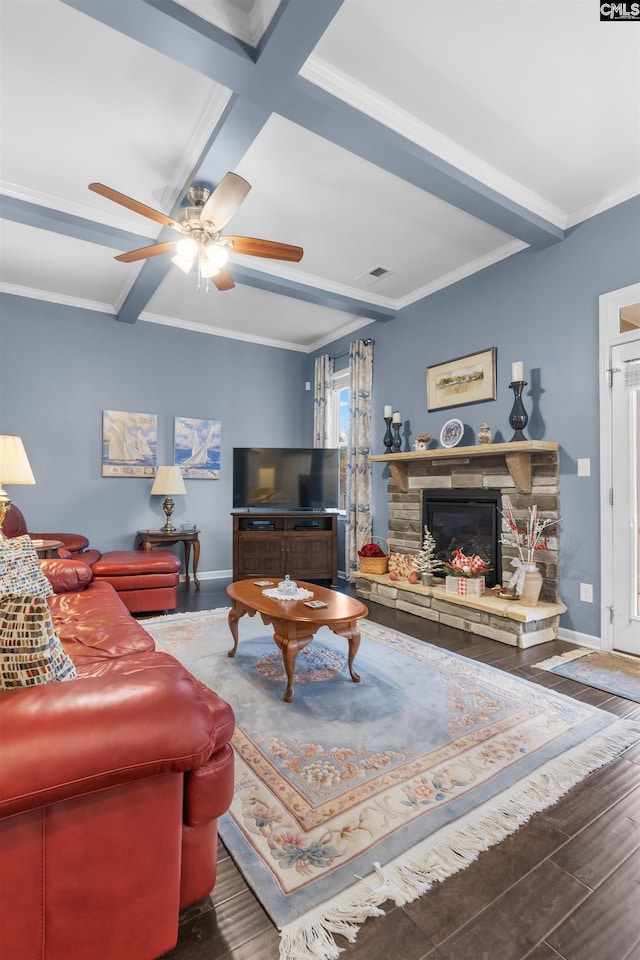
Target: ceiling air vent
(372,276)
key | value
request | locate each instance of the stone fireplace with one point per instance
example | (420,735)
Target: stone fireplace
(528,472)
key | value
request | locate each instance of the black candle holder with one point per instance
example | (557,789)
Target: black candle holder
(388,437)
(518,418)
(397,442)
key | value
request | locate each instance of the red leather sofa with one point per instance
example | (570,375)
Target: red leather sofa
(110,788)
(147,580)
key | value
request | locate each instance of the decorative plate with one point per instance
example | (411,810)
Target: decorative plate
(451,433)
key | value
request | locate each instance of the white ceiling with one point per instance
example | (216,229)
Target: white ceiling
(428,137)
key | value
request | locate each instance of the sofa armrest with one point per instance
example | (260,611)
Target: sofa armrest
(66,576)
(63,740)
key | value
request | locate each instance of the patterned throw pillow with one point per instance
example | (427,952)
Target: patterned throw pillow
(30,651)
(20,571)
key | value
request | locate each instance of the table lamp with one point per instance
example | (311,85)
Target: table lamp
(14,468)
(168,483)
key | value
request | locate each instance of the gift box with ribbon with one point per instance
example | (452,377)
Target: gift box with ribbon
(465,586)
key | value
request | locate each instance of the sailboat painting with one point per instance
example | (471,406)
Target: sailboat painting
(129,442)
(197,448)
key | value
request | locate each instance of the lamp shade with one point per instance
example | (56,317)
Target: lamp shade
(14,463)
(168,482)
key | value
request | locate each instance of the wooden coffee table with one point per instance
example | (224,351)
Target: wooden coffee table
(294,624)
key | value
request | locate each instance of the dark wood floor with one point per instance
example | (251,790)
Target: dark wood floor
(565,885)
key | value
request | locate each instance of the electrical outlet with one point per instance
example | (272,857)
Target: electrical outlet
(584,467)
(586,592)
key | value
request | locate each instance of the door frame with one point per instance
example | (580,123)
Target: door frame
(610,336)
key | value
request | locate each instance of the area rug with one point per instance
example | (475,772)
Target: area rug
(355,794)
(614,673)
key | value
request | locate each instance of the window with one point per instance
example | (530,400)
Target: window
(339,430)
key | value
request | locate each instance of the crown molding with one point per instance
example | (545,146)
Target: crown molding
(222,332)
(196,148)
(246,26)
(31,294)
(628,192)
(84,211)
(384,111)
(460,273)
(357,324)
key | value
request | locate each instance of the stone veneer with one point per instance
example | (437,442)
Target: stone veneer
(505,620)
(532,479)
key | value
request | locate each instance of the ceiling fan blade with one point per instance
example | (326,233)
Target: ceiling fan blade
(134,205)
(225,200)
(143,252)
(266,248)
(223,280)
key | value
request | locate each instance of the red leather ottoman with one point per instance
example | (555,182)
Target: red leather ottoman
(146,580)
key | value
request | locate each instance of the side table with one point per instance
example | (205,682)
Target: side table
(46,548)
(147,539)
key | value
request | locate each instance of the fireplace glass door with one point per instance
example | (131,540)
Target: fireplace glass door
(465,520)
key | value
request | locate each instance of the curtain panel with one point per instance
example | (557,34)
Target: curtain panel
(321,400)
(359,521)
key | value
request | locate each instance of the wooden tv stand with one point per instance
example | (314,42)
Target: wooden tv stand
(303,544)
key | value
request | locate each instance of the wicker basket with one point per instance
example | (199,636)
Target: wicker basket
(374,564)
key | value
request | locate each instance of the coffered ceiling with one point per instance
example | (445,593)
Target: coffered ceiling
(426,139)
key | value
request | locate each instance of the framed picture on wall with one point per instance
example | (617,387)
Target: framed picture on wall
(197,448)
(465,380)
(129,443)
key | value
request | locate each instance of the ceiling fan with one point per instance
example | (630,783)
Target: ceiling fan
(200,224)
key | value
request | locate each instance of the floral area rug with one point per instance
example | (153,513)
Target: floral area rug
(354,794)
(614,673)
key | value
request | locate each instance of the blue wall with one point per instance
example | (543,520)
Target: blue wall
(62,367)
(541,308)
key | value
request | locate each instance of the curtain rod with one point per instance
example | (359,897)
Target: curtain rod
(345,353)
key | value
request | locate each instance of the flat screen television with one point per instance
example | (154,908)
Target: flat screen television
(277,478)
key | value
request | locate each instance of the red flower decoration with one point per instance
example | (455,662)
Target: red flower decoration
(371,550)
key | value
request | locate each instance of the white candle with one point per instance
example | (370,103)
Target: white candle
(388,410)
(396,417)
(517,371)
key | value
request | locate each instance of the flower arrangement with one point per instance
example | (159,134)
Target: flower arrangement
(371,550)
(426,561)
(463,566)
(526,534)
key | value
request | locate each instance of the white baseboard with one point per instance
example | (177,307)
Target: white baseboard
(581,639)
(210,575)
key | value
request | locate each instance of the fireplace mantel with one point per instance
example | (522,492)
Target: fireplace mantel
(517,456)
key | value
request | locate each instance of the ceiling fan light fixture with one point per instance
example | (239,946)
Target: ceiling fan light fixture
(185,265)
(208,269)
(187,249)
(217,255)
